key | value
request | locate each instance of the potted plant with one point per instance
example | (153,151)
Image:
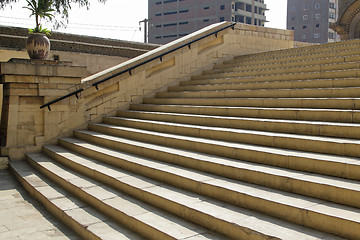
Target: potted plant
(37,43)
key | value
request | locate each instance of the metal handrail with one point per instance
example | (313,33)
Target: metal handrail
(136,66)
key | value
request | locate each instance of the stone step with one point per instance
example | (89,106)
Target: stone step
(274,58)
(314,103)
(315,48)
(315,83)
(221,68)
(87,222)
(136,215)
(267,93)
(282,70)
(338,190)
(313,128)
(307,143)
(299,114)
(318,214)
(337,166)
(351,73)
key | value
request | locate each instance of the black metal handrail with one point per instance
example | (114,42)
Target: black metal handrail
(138,65)
(62,98)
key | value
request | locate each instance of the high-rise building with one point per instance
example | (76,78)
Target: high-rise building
(310,20)
(171,19)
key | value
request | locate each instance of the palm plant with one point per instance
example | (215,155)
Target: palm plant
(41,9)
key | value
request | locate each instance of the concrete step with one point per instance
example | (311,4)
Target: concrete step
(314,103)
(307,143)
(325,216)
(229,67)
(338,190)
(300,56)
(351,73)
(313,128)
(121,207)
(87,222)
(280,70)
(298,114)
(344,167)
(267,93)
(315,48)
(296,84)
(213,214)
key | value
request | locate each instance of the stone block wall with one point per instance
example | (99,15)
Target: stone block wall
(26,128)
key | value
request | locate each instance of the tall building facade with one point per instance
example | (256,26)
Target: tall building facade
(172,19)
(310,20)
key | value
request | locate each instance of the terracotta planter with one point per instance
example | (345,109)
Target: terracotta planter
(37,46)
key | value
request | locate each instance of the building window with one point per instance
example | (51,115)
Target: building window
(293,8)
(170,24)
(158,3)
(222,7)
(183,11)
(305,7)
(317,16)
(169,13)
(170,1)
(305,17)
(241,18)
(331,35)
(304,27)
(292,28)
(316,35)
(170,36)
(248,20)
(317,25)
(206,8)
(183,23)
(304,36)
(317,5)
(158,14)
(248,7)
(292,18)
(222,19)
(206,20)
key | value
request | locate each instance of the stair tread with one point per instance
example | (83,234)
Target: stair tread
(79,211)
(189,84)
(253,132)
(355,65)
(252,108)
(265,120)
(155,218)
(286,152)
(338,59)
(266,169)
(211,207)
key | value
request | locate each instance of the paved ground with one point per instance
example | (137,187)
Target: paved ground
(23,218)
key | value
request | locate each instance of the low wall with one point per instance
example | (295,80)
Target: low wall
(26,127)
(93,62)
(94,52)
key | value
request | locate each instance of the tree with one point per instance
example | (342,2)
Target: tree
(61,8)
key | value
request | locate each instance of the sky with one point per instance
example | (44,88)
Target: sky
(117,19)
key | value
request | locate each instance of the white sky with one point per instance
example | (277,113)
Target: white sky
(117,19)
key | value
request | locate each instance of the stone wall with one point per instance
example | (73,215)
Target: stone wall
(26,128)
(95,53)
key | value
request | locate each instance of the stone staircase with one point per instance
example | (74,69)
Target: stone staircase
(264,146)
